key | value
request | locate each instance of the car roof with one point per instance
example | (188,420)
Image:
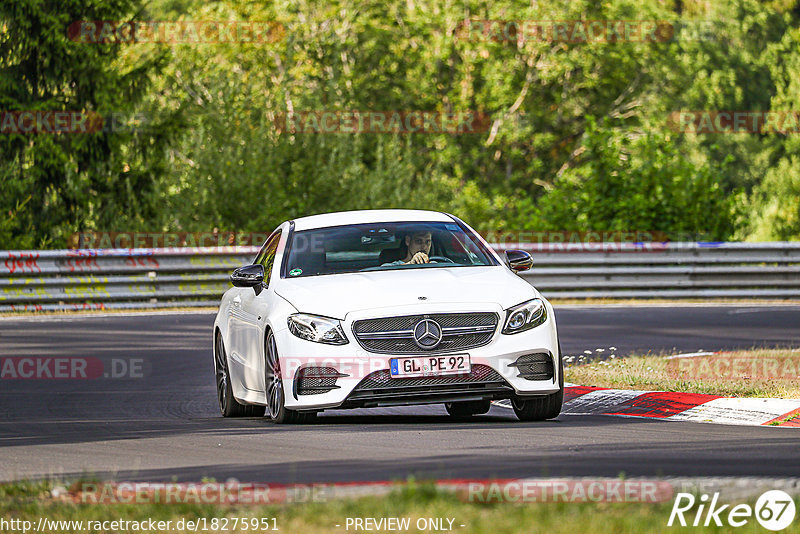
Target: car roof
(368,216)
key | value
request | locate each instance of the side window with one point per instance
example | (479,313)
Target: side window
(267,243)
(267,255)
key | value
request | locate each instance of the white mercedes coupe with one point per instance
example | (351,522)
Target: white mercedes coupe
(384,308)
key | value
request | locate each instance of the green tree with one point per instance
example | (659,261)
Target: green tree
(73,181)
(641,183)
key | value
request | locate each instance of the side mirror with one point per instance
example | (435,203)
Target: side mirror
(518,260)
(249,276)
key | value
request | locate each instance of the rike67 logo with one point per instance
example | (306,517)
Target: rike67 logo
(774,510)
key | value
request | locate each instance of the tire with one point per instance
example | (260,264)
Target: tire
(228,405)
(542,408)
(467,408)
(273,382)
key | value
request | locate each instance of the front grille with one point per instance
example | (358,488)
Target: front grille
(383,379)
(395,335)
(379,388)
(538,366)
(315,380)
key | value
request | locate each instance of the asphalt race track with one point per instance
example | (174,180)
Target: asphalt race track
(166,425)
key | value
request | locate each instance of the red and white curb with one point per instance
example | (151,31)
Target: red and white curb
(675,406)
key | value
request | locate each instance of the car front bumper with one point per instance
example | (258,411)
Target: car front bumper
(364,379)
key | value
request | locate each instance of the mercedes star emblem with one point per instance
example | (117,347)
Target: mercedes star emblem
(427,334)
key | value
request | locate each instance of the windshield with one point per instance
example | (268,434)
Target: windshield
(383,246)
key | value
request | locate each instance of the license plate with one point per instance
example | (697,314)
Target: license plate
(448,364)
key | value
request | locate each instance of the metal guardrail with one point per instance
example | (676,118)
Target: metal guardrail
(665,270)
(117,278)
(158,278)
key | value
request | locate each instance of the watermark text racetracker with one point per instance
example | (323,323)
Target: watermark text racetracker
(554,240)
(725,366)
(509,491)
(175,32)
(71,368)
(218,493)
(551,491)
(522,32)
(54,122)
(589,241)
(127,240)
(379,122)
(735,122)
(362,364)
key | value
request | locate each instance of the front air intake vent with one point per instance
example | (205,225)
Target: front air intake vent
(538,366)
(316,380)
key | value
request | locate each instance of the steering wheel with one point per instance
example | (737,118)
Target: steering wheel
(442,259)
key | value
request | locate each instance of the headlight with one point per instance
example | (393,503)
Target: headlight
(316,328)
(525,316)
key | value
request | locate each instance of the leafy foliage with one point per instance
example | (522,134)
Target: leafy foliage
(578,137)
(55,184)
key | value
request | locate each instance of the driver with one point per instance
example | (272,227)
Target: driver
(419,247)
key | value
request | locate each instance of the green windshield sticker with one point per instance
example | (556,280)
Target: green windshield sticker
(295,272)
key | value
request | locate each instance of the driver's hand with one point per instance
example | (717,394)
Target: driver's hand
(419,257)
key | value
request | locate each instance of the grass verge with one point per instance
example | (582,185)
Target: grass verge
(31,501)
(752,373)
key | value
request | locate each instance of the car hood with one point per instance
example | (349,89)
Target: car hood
(339,294)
